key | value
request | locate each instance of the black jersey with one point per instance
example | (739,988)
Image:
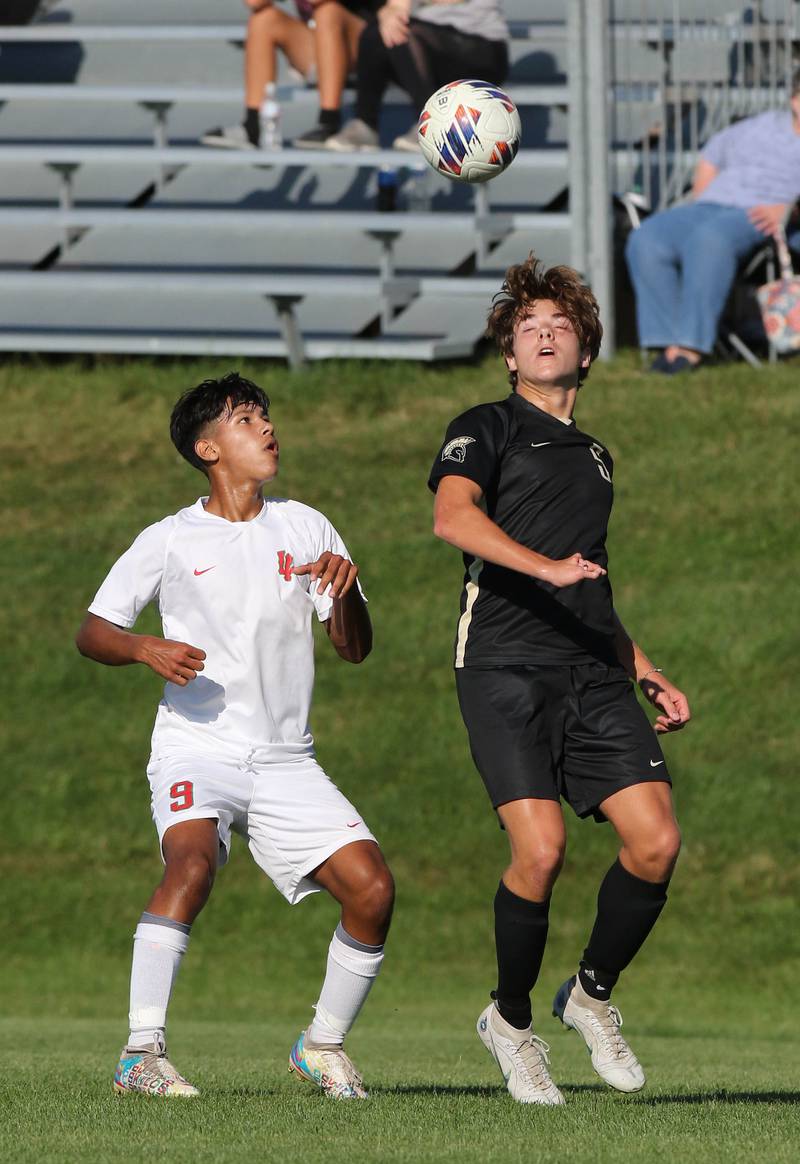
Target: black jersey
(548,486)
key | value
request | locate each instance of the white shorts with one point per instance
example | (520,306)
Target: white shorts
(291,815)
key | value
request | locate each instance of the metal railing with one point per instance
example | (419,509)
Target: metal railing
(678,78)
(650,82)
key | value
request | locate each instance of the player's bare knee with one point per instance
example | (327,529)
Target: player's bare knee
(539,868)
(669,849)
(655,855)
(192,874)
(376,901)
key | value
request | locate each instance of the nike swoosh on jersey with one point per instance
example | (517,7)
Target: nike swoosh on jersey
(655,763)
(540,444)
(197,572)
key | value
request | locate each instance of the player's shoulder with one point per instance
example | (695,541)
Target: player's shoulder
(292,509)
(161,529)
(491,412)
(490,422)
(297,514)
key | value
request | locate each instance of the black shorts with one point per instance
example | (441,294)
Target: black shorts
(547,733)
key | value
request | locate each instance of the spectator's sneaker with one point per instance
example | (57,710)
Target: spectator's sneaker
(315,138)
(329,1067)
(522,1058)
(408,142)
(234,137)
(356,135)
(147,1070)
(598,1024)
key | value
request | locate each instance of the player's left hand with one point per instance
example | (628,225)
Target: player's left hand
(673,703)
(332,570)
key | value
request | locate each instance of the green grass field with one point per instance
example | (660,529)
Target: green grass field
(704,563)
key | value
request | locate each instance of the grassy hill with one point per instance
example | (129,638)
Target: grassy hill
(704,563)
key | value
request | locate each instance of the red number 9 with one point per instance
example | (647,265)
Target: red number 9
(182,795)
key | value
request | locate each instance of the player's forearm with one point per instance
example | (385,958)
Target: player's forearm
(629,653)
(472,531)
(104,642)
(350,627)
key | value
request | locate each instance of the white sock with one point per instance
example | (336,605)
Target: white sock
(158,946)
(352,968)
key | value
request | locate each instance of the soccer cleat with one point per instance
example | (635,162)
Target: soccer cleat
(231,137)
(147,1070)
(356,135)
(329,1067)
(522,1058)
(599,1023)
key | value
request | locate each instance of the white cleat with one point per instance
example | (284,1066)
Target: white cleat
(329,1067)
(147,1070)
(522,1058)
(598,1024)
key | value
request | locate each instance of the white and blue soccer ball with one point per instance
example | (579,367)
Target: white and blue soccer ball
(469,131)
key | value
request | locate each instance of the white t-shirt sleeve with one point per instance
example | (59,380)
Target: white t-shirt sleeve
(134,579)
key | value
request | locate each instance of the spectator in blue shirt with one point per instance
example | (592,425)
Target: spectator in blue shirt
(683,260)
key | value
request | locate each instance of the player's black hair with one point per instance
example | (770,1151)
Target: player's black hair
(208,402)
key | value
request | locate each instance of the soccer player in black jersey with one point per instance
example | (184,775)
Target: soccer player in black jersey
(544,672)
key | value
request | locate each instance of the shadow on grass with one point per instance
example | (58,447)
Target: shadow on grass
(483,1092)
(712,1096)
(722,1096)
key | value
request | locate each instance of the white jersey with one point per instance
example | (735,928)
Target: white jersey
(227,588)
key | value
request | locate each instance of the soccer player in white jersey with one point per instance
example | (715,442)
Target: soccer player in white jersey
(237,578)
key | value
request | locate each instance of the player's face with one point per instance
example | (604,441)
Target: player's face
(546,349)
(245,444)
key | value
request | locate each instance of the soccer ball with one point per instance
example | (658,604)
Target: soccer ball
(469,131)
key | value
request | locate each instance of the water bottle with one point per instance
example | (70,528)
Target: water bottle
(417,189)
(270,120)
(387,189)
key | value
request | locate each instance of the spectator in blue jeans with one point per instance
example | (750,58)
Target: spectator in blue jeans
(682,261)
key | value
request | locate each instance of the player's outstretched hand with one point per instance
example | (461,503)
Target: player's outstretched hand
(673,703)
(178,663)
(332,570)
(568,571)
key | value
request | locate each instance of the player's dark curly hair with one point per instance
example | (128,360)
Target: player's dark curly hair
(208,402)
(526,282)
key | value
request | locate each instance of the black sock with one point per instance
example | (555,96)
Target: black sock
(252,126)
(330,118)
(627,910)
(520,932)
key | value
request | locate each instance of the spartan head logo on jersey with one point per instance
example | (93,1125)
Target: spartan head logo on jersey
(456,450)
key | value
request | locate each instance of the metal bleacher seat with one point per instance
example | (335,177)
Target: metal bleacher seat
(118,232)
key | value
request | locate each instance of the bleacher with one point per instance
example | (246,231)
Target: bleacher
(120,232)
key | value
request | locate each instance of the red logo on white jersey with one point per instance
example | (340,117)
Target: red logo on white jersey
(285,563)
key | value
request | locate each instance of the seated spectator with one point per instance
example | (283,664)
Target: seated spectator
(683,260)
(421,46)
(320,43)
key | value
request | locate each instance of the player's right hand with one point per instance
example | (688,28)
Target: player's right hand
(568,571)
(178,663)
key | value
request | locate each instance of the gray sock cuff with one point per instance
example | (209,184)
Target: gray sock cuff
(354,944)
(154,919)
